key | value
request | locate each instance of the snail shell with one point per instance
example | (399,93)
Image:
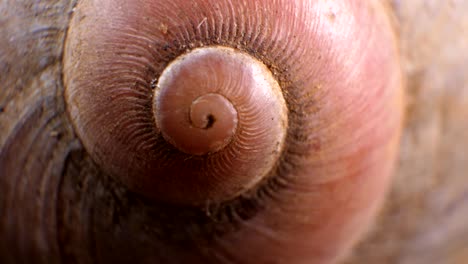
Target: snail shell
(284,115)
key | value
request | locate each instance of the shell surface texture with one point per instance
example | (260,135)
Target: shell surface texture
(206,132)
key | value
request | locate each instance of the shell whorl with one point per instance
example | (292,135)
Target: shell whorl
(223,104)
(311,134)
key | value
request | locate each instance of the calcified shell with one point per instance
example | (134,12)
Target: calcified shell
(206,100)
(326,174)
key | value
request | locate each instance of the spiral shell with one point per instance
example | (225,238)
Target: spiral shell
(291,106)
